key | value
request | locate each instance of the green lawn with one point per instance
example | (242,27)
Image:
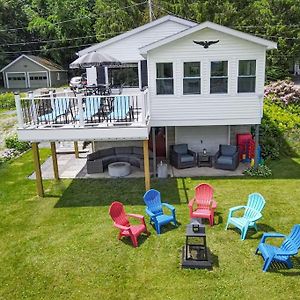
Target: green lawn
(65,247)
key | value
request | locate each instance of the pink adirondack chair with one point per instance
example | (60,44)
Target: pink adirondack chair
(205,204)
(120,219)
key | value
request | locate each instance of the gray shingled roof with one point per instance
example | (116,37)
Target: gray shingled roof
(46,63)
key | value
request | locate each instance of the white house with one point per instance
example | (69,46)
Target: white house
(201,95)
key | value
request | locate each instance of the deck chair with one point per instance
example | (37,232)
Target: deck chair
(91,108)
(205,204)
(60,108)
(154,209)
(120,108)
(282,254)
(120,218)
(252,213)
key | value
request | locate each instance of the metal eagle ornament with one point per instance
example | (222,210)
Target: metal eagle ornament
(206,44)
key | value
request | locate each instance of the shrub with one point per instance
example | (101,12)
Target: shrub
(12,142)
(283,93)
(7,100)
(261,171)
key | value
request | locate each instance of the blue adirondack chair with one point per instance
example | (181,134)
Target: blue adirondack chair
(154,210)
(252,213)
(288,248)
(60,108)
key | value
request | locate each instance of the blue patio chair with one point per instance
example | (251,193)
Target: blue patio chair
(282,254)
(252,213)
(121,108)
(60,108)
(154,210)
(91,108)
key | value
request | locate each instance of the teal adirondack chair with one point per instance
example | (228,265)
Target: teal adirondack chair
(289,247)
(252,213)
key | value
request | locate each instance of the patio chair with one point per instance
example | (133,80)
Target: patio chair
(155,211)
(60,108)
(92,105)
(252,213)
(120,109)
(181,157)
(227,158)
(205,203)
(282,254)
(120,219)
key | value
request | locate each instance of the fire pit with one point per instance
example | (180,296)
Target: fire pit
(195,254)
(119,169)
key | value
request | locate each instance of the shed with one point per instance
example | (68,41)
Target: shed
(30,71)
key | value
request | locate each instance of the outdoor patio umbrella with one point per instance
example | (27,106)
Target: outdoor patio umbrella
(94,59)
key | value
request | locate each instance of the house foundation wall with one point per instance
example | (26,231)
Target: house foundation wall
(104,145)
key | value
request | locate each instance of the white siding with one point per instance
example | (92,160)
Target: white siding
(206,109)
(127,50)
(198,138)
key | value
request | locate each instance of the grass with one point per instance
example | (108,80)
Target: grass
(65,247)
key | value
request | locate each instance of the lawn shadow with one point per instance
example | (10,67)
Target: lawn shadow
(167,227)
(251,231)
(282,269)
(141,239)
(214,258)
(102,192)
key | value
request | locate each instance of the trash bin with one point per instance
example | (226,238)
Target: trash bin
(162,170)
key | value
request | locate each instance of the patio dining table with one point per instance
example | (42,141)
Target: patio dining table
(97,89)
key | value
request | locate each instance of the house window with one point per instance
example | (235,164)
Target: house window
(219,77)
(125,75)
(246,79)
(164,79)
(191,78)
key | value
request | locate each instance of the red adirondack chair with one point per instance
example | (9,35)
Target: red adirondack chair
(205,204)
(120,219)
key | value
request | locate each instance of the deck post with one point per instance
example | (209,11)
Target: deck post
(19,111)
(256,146)
(146,165)
(154,151)
(76,149)
(37,167)
(33,107)
(80,111)
(54,160)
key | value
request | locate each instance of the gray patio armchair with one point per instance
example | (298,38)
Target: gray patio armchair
(181,157)
(227,158)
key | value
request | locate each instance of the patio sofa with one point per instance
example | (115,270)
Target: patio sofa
(181,157)
(98,161)
(227,158)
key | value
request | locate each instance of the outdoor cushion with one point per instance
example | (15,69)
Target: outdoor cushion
(186,158)
(137,150)
(181,148)
(123,150)
(227,150)
(226,160)
(122,157)
(108,160)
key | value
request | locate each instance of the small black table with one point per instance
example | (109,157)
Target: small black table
(205,160)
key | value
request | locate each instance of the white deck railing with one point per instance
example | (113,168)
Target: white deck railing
(63,109)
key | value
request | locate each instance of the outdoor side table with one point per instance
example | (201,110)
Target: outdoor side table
(204,160)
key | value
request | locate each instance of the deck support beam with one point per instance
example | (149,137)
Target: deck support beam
(256,158)
(154,151)
(76,150)
(37,167)
(54,160)
(146,165)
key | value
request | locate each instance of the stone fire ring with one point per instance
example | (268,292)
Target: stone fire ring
(119,169)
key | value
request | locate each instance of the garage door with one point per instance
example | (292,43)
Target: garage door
(16,80)
(37,79)
(208,137)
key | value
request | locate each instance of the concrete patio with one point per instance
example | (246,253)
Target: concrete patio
(71,167)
